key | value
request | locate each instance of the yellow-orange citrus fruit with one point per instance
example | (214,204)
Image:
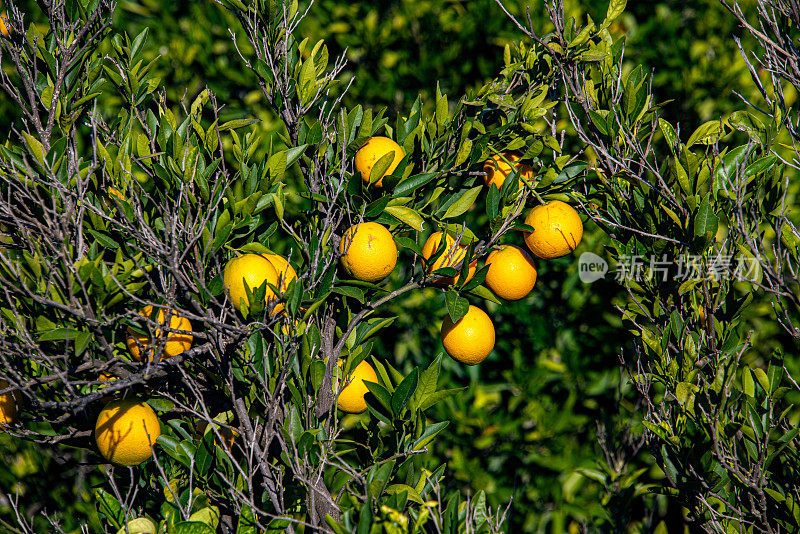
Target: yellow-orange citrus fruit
(106,377)
(511,274)
(375,149)
(368,251)
(497,170)
(125,431)
(351,398)
(557,229)
(9,404)
(228,435)
(453,256)
(252,270)
(471,339)
(286,274)
(174,342)
(4,25)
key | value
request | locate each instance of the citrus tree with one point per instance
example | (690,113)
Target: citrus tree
(202,321)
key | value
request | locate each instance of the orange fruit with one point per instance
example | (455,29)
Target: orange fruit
(4,30)
(351,397)
(372,151)
(251,270)
(453,256)
(9,404)
(497,170)
(125,431)
(227,434)
(368,251)
(175,343)
(106,377)
(286,274)
(557,229)
(471,339)
(511,274)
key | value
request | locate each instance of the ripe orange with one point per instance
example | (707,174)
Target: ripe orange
(557,229)
(471,339)
(498,170)
(286,274)
(453,256)
(126,431)
(9,404)
(368,251)
(106,377)
(252,270)
(375,149)
(511,273)
(174,344)
(228,436)
(351,397)
(4,30)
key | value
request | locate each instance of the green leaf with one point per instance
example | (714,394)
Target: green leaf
(705,134)
(748,386)
(413,183)
(110,507)
(348,291)
(413,494)
(427,436)
(337,527)
(463,152)
(442,111)
(428,379)
(484,293)
(404,391)
(595,53)
(760,165)
(615,9)
(599,122)
(140,525)
(463,202)
(58,334)
(406,215)
(683,178)
(247,521)
(378,477)
(237,123)
(669,133)
(192,527)
(35,147)
(380,393)
(208,515)
(706,220)
(457,306)
(762,379)
(82,342)
(438,397)
(776,371)
(410,244)
(365,519)
(684,391)
(380,167)
(104,240)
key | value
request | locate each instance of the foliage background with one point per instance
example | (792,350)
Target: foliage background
(527,428)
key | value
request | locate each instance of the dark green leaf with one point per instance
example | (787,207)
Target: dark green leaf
(404,391)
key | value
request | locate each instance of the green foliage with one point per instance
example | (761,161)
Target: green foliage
(154,191)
